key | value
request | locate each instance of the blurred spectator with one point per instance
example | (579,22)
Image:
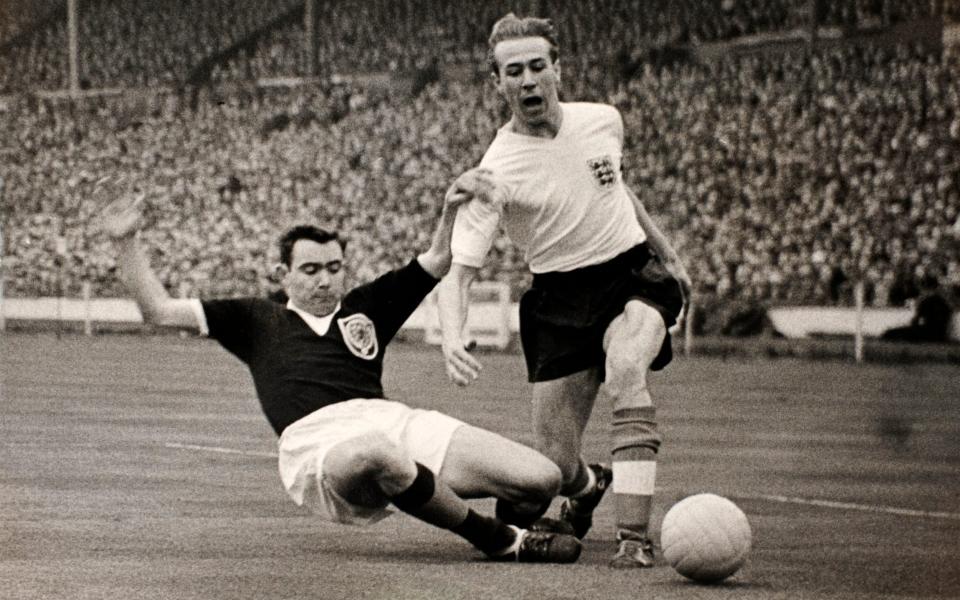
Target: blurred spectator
(931,320)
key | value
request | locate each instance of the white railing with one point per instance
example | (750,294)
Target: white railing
(493,319)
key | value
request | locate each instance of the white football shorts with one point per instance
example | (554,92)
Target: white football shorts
(424,434)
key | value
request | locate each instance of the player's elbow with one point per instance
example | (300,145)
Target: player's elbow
(460,276)
(163,313)
(435,262)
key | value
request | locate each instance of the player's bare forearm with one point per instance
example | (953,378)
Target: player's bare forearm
(452,305)
(662,246)
(155,303)
(139,278)
(121,219)
(658,241)
(153,300)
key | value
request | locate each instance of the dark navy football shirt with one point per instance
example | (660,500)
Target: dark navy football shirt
(295,370)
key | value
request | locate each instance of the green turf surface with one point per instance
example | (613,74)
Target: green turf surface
(103,495)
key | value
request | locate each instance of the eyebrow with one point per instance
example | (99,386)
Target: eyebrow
(520,63)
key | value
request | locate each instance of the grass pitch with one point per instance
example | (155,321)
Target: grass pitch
(141,467)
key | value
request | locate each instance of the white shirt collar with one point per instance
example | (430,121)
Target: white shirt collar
(319,325)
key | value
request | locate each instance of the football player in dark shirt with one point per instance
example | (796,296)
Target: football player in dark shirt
(345,451)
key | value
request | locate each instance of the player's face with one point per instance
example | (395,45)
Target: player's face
(314,279)
(529,81)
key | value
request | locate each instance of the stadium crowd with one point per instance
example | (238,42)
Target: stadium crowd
(793,177)
(150,44)
(784,178)
(130,44)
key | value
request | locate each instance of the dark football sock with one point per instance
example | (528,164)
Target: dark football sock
(583,482)
(489,534)
(511,513)
(431,500)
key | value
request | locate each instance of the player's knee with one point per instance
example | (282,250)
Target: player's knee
(634,345)
(645,324)
(543,478)
(372,454)
(535,479)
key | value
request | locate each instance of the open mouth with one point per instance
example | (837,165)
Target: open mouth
(532,101)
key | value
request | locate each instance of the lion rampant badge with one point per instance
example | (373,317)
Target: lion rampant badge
(360,335)
(603,171)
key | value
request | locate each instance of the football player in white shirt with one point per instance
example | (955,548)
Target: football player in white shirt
(607,285)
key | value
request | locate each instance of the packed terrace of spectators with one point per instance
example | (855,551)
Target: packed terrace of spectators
(140,43)
(783,178)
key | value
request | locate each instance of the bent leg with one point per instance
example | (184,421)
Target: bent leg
(632,342)
(480,463)
(371,468)
(368,468)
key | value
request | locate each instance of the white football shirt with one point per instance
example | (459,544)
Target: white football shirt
(562,201)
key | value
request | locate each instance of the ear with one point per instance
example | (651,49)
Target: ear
(279,272)
(495,80)
(556,67)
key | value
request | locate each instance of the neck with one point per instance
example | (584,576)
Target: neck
(293,305)
(548,128)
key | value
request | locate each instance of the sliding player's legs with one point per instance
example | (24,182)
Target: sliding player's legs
(373,469)
(349,461)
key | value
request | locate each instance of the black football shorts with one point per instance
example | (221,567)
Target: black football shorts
(564,315)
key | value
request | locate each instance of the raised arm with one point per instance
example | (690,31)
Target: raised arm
(121,221)
(436,260)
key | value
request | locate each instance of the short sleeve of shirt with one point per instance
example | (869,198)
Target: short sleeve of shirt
(231,323)
(391,298)
(474,230)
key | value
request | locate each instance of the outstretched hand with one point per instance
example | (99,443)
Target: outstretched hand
(122,217)
(462,367)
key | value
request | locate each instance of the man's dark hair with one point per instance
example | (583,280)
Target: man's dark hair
(306,232)
(511,27)
(929,282)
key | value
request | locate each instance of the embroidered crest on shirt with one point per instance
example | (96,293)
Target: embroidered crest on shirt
(359,335)
(603,171)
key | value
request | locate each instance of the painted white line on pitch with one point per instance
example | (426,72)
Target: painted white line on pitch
(220,450)
(890,510)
